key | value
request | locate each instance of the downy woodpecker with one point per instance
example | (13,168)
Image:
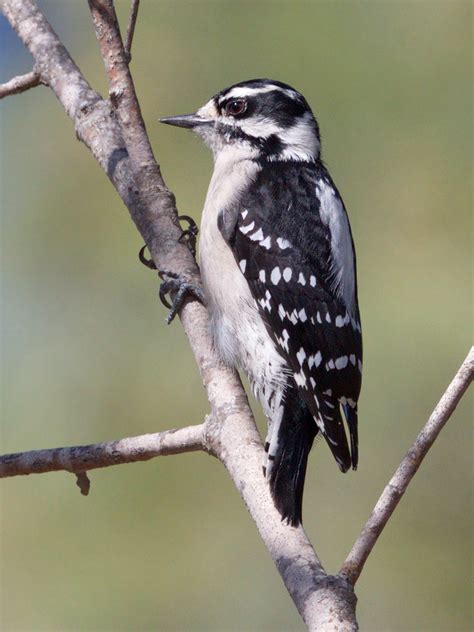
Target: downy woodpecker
(279,273)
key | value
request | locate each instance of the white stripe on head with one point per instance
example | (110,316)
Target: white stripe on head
(300,139)
(243,91)
(257,126)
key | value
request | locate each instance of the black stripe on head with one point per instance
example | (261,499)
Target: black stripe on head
(279,107)
(270,145)
(260,83)
(266,99)
(257,87)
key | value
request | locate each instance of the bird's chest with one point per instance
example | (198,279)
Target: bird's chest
(230,302)
(238,331)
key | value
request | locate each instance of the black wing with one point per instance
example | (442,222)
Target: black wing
(283,248)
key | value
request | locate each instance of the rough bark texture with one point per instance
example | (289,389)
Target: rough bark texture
(83,458)
(20,84)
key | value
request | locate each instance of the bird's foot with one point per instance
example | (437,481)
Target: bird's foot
(149,263)
(182,288)
(188,236)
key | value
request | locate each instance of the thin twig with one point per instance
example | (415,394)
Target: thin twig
(132,20)
(82,458)
(20,84)
(399,482)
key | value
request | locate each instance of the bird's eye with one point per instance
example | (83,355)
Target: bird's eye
(236,107)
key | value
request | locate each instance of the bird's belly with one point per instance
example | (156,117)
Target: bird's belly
(237,329)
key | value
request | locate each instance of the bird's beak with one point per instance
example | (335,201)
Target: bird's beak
(189,121)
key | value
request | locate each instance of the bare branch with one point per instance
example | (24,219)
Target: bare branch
(132,20)
(80,459)
(20,84)
(399,482)
(157,217)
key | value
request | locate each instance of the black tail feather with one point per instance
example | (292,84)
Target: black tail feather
(351,418)
(295,439)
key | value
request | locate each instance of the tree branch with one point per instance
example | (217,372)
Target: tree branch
(20,84)
(132,20)
(407,469)
(82,458)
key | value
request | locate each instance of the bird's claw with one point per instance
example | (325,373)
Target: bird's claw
(183,289)
(190,234)
(149,263)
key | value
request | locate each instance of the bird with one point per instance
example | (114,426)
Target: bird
(278,268)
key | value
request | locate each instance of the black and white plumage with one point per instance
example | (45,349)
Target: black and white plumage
(279,272)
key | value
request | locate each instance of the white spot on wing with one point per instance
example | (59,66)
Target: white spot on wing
(257,236)
(302,315)
(315,360)
(266,243)
(283,341)
(275,275)
(341,362)
(301,279)
(283,243)
(266,304)
(301,356)
(287,272)
(243,265)
(246,229)
(300,379)
(262,276)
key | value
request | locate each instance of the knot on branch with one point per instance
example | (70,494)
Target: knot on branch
(83,482)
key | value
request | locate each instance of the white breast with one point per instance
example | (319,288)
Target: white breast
(237,329)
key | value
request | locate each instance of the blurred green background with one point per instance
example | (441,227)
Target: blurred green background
(86,354)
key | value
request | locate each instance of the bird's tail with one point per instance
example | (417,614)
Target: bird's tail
(288,460)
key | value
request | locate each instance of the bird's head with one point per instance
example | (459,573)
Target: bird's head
(260,119)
